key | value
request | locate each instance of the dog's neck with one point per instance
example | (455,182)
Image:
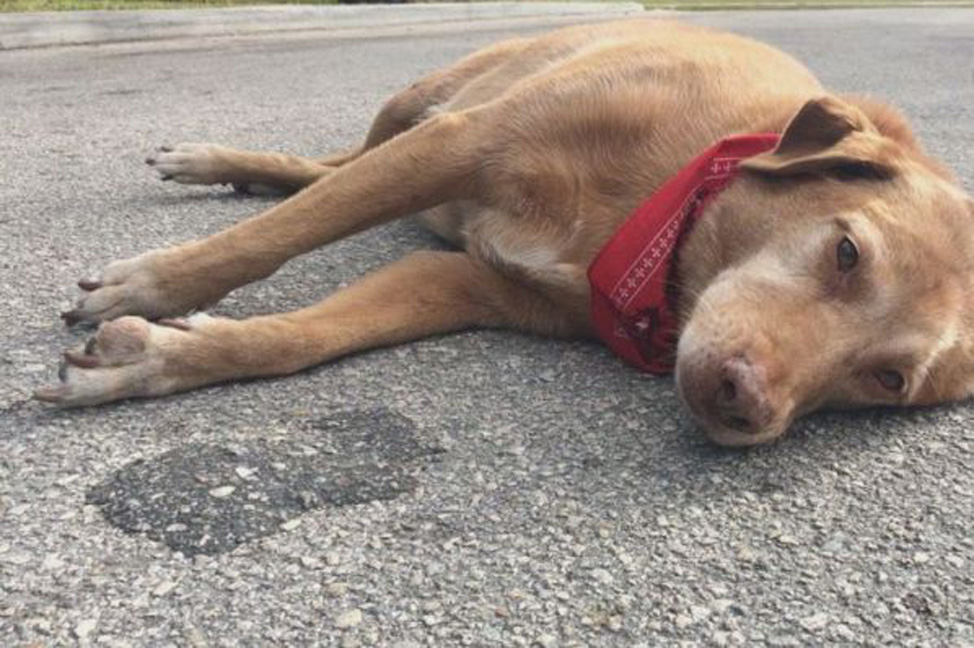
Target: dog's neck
(634,306)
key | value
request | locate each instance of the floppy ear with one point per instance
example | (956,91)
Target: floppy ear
(827,136)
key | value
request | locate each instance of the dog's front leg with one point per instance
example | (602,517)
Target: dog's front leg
(436,162)
(424,294)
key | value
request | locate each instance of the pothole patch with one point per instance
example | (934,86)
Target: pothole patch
(209,499)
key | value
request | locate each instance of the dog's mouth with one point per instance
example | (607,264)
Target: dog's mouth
(736,433)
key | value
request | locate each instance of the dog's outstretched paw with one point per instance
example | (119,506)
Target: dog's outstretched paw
(159,283)
(192,163)
(126,358)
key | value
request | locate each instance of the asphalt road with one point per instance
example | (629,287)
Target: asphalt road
(481,489)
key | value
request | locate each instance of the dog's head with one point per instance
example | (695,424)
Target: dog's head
(835,272)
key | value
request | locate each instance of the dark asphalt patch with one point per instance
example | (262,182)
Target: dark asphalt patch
(209,499)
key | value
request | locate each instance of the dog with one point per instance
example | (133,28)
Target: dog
(832,271)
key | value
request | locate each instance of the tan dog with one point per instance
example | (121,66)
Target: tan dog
(833,272)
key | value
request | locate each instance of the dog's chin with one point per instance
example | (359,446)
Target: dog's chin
(731,438)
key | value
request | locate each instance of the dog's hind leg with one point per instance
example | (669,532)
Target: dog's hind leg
(280,174)
(426,293)
(249,172)
(436,162)
(417,103)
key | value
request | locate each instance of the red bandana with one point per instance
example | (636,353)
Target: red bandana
(632,294)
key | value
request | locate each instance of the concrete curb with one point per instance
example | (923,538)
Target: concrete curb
(18,31)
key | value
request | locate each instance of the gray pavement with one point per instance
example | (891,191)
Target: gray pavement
(94,27)
(479,489)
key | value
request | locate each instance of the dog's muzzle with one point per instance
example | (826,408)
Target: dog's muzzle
(731,398)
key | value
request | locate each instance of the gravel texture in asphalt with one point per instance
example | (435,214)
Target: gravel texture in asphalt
(486,488)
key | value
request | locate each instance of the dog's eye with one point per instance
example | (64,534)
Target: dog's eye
(891,380)
(847,254)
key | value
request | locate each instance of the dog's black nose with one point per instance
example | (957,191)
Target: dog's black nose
(740,402)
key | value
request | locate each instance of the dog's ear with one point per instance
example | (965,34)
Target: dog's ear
(827,137)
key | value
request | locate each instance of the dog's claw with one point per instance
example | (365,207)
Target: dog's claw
(76,318)
(50,394)
(166,178)
(165,149)
(151,161)
(84,361)
(90,346)
(89,284)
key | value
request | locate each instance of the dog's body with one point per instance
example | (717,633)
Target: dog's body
(528,156)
